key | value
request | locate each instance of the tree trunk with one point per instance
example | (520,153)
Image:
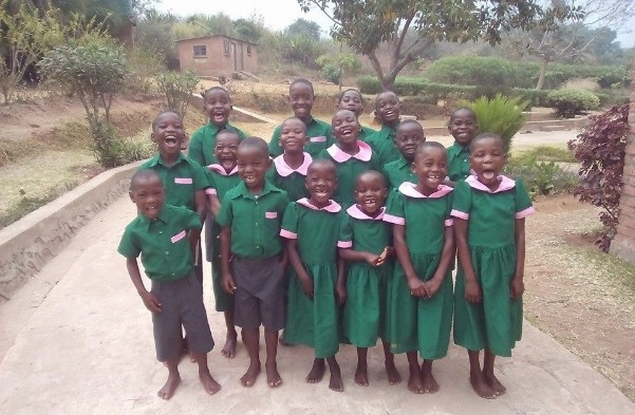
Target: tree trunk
(543,72)
(387,83)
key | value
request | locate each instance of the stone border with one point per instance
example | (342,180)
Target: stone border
(27,245)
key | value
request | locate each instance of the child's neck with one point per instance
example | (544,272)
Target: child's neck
(319,205)
(349,148)
(229,169)
(293,159)
(256,189)
(391,124)
(425,190)
(367,213)
(169,159)
(219,126)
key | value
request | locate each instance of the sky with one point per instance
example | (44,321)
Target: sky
(279,14)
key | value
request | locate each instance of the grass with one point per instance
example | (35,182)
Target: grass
(547,153)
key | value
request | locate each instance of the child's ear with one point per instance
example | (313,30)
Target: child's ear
(131,196)
(412,168)
(152,137)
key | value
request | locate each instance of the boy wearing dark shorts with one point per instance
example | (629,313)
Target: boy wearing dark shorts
(252,258)
(160,235)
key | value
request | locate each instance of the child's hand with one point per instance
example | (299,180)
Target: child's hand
(385,254)
(228,283)
(307,284)
(517,288)
(340,290)
(371,258)
(432,287)
(417,287)
(151,302)
(473,293)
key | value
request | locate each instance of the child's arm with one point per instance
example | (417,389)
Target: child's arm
(417,287)
(296,263)
(472,288)
(200,202)
(340,285)
(149,300)
(518,285)
(447,256)
(214,204)
(349,254)
(227,279)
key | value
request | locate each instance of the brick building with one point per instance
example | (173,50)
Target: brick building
(217,55)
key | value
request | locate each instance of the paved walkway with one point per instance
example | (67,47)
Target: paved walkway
(77,340)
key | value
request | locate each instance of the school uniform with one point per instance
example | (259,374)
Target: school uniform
(383,144)
(398,172)
(167,259)
(416,323)
(458,162)
(220,183)
(318,134)
(365,132)
(314,322)
(349,166)
(293,181)
(496,322)
(366,285)
(254,221)
(203,141)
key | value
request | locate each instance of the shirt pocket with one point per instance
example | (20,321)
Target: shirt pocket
(183,180)
(318,139)
(271,215)
(178,237)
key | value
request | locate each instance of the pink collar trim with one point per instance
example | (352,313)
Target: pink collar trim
(410,190)
(221,170)
(364,153)
(356,213)
(505,184)
(284,170)
(332,207)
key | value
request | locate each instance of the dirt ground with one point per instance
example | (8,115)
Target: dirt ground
(582,298)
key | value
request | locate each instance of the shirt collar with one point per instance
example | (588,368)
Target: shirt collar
(356,213)
(244,191)
(147,222)
(332,207)
(461,148)
(285,170)
(410,190)
(364,153)
(158,160)
(505,184)
(387,131)
(402,162)
(221,170)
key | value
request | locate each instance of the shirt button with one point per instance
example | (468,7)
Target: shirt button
(167,252)
(256,223)
(160,233)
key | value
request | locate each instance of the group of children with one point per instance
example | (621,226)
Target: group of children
(336,234)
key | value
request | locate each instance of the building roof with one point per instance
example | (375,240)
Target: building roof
(214,36)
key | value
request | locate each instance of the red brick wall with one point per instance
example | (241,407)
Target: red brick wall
(217,63)
(624,243)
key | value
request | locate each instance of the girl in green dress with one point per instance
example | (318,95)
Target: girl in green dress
(365,242)
(351,99)
(489,213)
(420,292)
(311,227)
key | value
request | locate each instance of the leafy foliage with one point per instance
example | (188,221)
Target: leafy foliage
(124,150)
(600,149)
(569,102)
(334,67)
(472,70)
(541,177)
(176,89)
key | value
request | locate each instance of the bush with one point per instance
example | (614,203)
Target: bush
(600,149)
(472,70)
(541,177)
(332,73)
(126,150)
(569,102)
(176,89)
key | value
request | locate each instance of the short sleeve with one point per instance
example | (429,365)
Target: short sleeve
(195,149)
(524,206)
(200,177)
(190,219)
(345,238)
(462,200)
(127,247)
(395,209)
(211,179)
(225,215)
(290,219)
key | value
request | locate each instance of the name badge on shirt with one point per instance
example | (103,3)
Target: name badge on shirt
(183,180)
(178,236)
(318,139)
(271,215)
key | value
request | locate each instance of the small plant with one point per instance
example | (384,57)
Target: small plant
(569,102)
(600,149)
(177,89)
(541,177)
(126,150)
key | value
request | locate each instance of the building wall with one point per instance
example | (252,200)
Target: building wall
(219,61)
(624,243)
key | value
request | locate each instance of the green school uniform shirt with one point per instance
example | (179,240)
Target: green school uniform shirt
(203,141)
(383,144)
(162,242)
(318,133)
(458,162)
(398,172)
(220,181)
(181,180)
(365,132)
(292,181)
(254,220)
(361,232)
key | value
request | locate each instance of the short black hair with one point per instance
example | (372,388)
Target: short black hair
(485,136)
(293,118)
(215,88)
(302,81)
(374,173)
(143,175)
(225,131)
(322,162)
(468,109)
(351,90)
(422,147)
(256,142)
(159,115)
(409,121)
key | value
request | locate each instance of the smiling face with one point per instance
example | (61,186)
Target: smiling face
(345,127)
(351,100)
(148,194)
(253,163)
(463,126)
(293,135)
(370,192)
(168,133)
(387,108)
(321,182)
(487,159)
(226,149)
(431,168)
(407,137)
(301,98)
(217,106)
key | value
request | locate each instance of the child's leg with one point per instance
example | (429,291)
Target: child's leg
(430,384)
(336,382)
(488,373)
(174,378)
(415,382)
(209,383)
(361,373)
(389,361)
(251,337)
(477,380)
(271,364)
(229,349)
(317,371)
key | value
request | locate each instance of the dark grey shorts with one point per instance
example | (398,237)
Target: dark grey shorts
(259,295)
(182,305)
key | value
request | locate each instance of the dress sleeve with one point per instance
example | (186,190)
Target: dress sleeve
(127,246)
(524,206)
(461,200)
(395,209)
(290,221)
(345,238)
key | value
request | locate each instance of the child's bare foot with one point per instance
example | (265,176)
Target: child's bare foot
(361,374)
(317,371)
(393,374)
(415,381)
(481,387)
(229,349)
(495,384)
(250,376)
(209,383)
(430,384)
(168,389)
(335,384)
(273,377)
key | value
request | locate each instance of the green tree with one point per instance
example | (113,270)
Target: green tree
(365,24)
(250,29)
(176,89)
(303,27)
(335,67)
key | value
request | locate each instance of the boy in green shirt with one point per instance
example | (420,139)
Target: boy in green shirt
(388,111)
(409,134)
(462,125)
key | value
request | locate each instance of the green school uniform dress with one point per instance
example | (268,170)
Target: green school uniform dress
(293,181)
(314,322)
(416,323)
(365,307)
(318,133)
(496,322)
(221,182)
(458,162)
(348,168)
(203,141)
(365,132)
(181,180)
(383,144)
(398,172)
